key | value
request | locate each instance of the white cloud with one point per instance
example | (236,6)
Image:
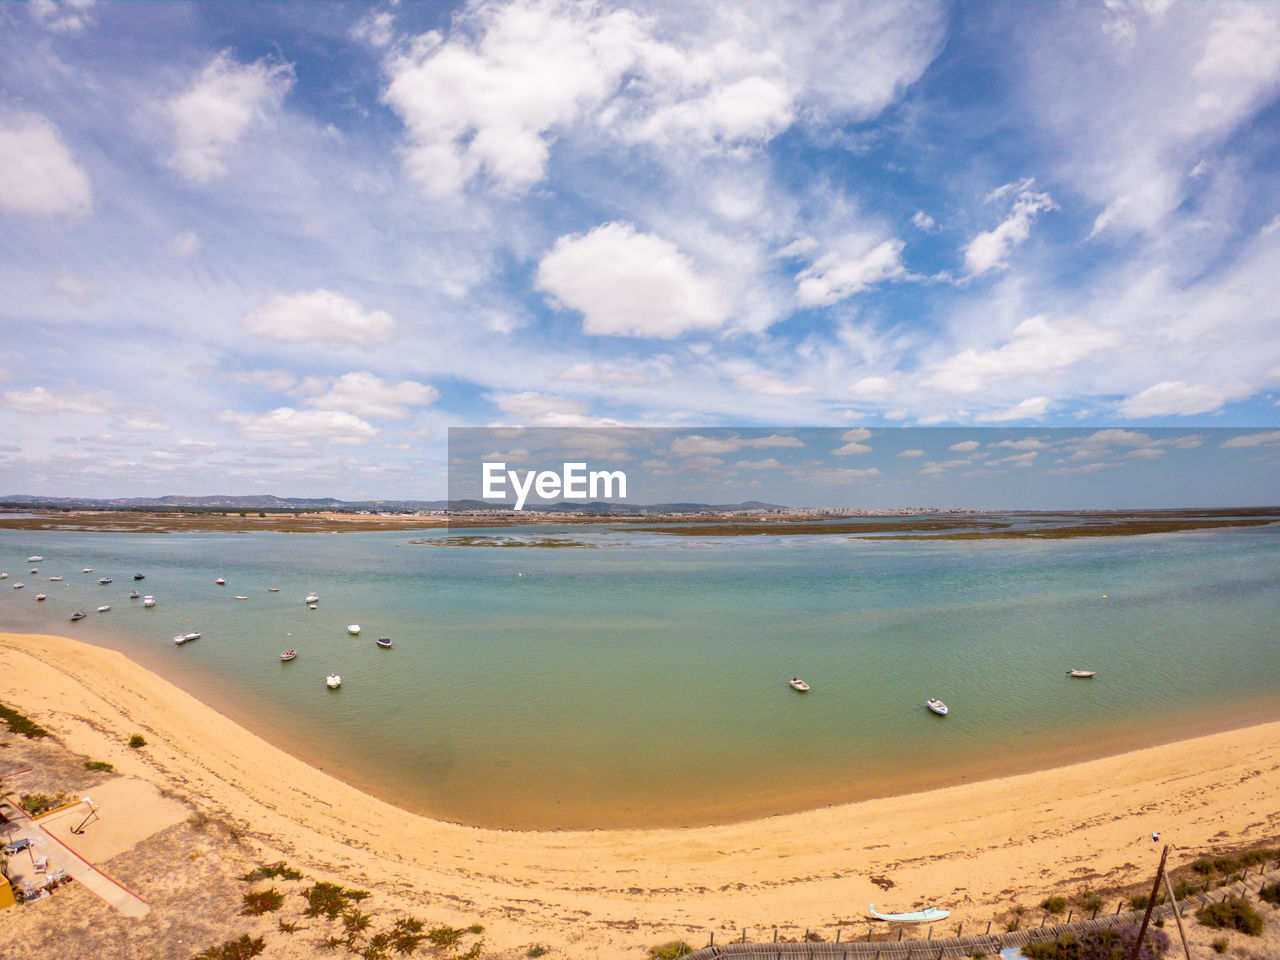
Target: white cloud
(990,249)
(873,387)
(141,424)
(850,449)
(38,175)
(833,277)
(911,453)
(769,463)
(184,245)
(287,425)
(856,435)
(1178,398)
(837,476)
(923,220)
(318,315)
(1027,443)
(763,383)
(964,446)
(1036,348)
(1028,409)
(377,28)
(212,115)
(64,16)
(1271,227)
(364,394)
(40,400)
(630,284)
(546,410)
(1253,439)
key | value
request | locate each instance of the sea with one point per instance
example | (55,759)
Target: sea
(635,679)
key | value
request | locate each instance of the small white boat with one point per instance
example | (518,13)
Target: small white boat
(87,570)
(55,579)
(148,601)
(18,586)
(313,598)
(180,639)
(273,589)
(220,582)
(195,635)
(239,598)
(4,574)
(311,606)
(384,642)
(798,684)
(104,608)
(937,706)
(78,615)
(41,596)
(917,916)
(334,681)
(288,655)
(353,629)
(104,580)
(1083,674)
(134,594)
(34,559)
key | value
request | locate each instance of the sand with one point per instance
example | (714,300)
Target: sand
(978,849)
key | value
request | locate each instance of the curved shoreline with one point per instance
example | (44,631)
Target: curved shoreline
(976,848)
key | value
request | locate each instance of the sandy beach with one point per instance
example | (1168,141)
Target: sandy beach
(978,849)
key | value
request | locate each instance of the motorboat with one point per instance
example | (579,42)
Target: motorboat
(55,579)
(179,639)
(78,615)
(4,574)
(18,586)
(937,706)
(1082,674)
(353,629)
(34,570)
(273,589)
(104,608)
(87,570)
(288,655)
(220,582)
(139,576)
(104,580)
(148,601)
(239,598)
(313,598)
(195,635)
(134,594)
(798,684)
(41,596)
(311,606)
(384,642)
(334,681)
(34,559)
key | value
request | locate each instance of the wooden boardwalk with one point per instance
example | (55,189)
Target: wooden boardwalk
(958,948)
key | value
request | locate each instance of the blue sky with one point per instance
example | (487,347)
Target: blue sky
(274,247)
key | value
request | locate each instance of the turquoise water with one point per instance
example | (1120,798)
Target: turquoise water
(643,680)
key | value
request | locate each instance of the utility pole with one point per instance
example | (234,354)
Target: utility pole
(1151,905)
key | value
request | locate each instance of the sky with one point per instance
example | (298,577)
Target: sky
(283,248)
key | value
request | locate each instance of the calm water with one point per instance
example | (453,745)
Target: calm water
(644,680)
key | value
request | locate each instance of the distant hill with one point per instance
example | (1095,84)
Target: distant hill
(308,504)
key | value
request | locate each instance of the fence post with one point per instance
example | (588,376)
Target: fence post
(775,934)
(988,928)
(1118,906)
(899,934)
(837,935)
(1070,913)
(744,934)
(930,936)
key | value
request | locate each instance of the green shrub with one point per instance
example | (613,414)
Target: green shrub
(445,936)
(99,765)
(272,870)
(1203,866)
(330,899)
(40,803)
(476,928)
(1227,865)
(536,951)
(241,949)
(1234,913)
(1271,893)
(1054,904)
(1091,902)
(258,902)
(1109,944)
(21,725)
(137,740)
(406,934)
(1220,944)
(670,951)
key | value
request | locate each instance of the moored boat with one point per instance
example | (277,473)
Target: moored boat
(104,608)
(18,586)
(334,681)
(148,601)
(1083,674)
(194,635)
(313,598)
(78,615)
(384,642)
(179,639)
(87,570)
(104,580)
(55,579)
(41,596)
(353,629)
(134,594)
(937,706)
(4,574)
(220,582)
(288,655)
(139,576)
(239,598)
(798,684)
(273,589)
(34,559)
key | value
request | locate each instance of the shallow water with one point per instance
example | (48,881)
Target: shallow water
(643,680)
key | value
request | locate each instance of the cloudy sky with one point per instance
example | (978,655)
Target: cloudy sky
(274,247)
